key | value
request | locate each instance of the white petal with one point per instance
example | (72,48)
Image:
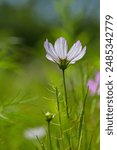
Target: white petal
(79,56)
(75,49)
(50,50)
(72,62)
(50,57)
(61,47)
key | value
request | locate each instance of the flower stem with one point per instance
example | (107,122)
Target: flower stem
(59,113)
(65,92)
(58,106)
(49,136)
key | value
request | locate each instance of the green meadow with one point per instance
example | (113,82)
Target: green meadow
(32,96)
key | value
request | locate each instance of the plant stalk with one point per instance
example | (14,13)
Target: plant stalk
(58,107)
(49,136)
(65,92)
(59,114)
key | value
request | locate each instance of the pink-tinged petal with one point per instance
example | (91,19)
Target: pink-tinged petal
(75,49)
(92,85)
(61,47)
(50,50)
(97,78)
(79,55)
(98,91)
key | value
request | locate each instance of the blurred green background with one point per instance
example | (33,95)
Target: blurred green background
(27,77)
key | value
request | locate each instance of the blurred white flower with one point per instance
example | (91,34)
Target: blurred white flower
(59,52)
(32,133)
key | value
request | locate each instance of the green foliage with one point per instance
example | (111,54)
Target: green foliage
(30,85)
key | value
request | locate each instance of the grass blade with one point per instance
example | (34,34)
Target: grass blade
(81,122)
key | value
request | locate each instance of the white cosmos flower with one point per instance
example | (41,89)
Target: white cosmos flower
(33,133)
(59,52)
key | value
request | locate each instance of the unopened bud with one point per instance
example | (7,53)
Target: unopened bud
(49,116)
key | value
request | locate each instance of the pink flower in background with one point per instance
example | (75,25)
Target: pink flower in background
(94,85)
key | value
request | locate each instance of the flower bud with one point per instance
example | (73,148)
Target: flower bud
(49,116)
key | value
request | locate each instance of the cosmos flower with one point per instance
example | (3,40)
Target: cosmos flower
(59,52)
(94,85)
(33,133)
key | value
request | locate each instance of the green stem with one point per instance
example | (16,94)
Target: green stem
(81,121)
(41,144)
(65,91)
(58,106)
(49,136)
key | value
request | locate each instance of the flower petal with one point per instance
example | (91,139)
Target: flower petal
(97,78)
(33,133)
(79,55)
(98,91)
(75,49)
(61,47)
(50,51)
(50,57)
(92,85)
